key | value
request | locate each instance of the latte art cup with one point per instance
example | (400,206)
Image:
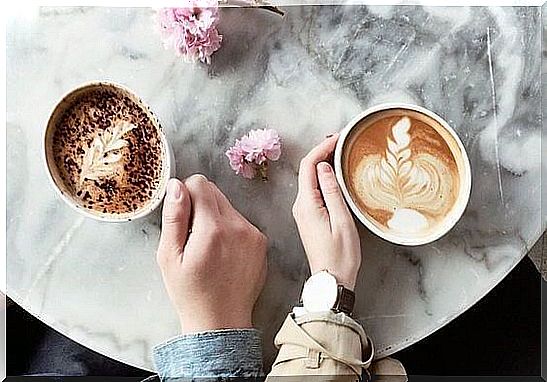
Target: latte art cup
(380,176)
(59,185)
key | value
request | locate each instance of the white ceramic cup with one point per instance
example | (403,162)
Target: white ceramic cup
(59,185)
(452,216)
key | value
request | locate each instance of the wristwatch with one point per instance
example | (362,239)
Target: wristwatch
(322,293)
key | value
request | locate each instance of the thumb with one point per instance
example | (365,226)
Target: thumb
(175,220)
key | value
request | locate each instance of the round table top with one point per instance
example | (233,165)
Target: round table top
(305,75)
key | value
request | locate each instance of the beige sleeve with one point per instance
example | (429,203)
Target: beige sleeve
(328,346)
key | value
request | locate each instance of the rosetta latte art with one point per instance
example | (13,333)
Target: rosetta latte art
(415,187)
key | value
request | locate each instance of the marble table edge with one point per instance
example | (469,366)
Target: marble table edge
(380,353)
(47,319)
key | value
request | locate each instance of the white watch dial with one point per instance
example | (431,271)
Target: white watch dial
(320,292)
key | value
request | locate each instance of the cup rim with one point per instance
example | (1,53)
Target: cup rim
(461,201)
(167,159)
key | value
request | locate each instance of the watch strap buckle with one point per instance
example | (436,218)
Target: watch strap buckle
(345,301)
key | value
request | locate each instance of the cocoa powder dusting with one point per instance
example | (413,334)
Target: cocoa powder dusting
(138,174)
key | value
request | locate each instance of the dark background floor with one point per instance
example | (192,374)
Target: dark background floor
(500,335)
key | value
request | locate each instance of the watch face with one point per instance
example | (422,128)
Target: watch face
(320,292)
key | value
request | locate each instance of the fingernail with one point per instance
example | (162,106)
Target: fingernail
(174,190)
(324,167)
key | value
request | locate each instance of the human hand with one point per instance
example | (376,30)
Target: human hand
(324,222)
(213,261)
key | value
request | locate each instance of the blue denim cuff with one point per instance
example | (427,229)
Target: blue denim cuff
(212,354)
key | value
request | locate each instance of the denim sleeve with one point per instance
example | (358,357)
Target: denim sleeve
(212,354)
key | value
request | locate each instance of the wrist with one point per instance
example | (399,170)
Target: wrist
(196,323)
(347,282)
(323,292)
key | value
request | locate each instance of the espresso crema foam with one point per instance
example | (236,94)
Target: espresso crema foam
(108,152)
(401,171)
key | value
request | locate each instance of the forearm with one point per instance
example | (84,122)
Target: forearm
(211,354)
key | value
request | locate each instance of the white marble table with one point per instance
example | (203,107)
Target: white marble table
(305,75)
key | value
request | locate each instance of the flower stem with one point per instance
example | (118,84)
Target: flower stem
(263,171)
(253,4)
(273,9)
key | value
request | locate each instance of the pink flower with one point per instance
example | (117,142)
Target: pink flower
(192,29)
(236,155)
(261,145)
(251,153)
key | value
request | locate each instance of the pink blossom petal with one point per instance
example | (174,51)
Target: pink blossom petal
(236,157)
(247,171)
(274,153)
(191,29)
(253,150)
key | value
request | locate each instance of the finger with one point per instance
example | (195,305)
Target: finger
(332,195)
(224,205)
(204,204)
(175,221)
(307,177)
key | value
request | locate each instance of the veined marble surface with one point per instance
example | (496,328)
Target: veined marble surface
(305,75)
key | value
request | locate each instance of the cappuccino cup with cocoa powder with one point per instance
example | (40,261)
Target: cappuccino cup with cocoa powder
(106,153)
(404,173)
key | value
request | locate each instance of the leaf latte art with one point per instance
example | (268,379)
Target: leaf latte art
(414,187)
(107,150)
(103,155)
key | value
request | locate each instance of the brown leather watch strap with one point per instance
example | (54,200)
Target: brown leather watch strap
(345,301)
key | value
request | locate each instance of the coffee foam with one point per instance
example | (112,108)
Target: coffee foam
(107,151)
(401,171)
